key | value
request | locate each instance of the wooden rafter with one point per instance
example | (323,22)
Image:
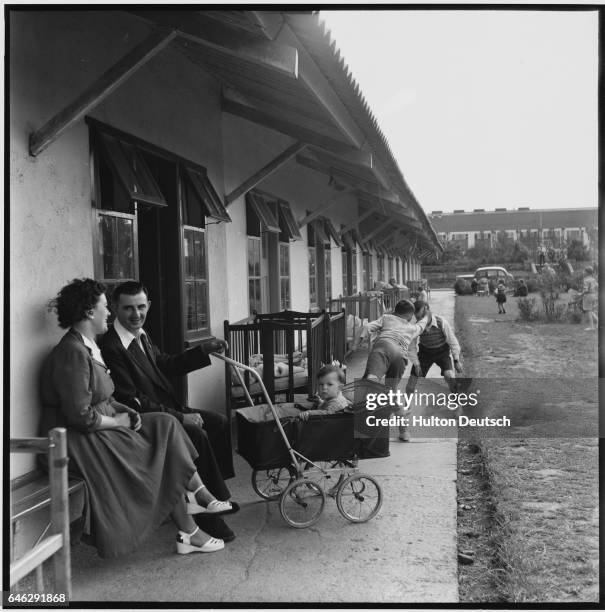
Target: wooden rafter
(322,209)
(236,42)
(265,171)
(100,89)
(353,156)
(277,118)
(377,230)
(354,224)
(365,187)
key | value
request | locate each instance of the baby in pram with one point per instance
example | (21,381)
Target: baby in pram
(331,380)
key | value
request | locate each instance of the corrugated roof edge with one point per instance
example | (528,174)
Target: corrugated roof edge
(318,42)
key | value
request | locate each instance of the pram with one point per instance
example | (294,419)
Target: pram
(300,463)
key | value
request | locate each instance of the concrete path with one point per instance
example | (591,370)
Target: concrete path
(406,554)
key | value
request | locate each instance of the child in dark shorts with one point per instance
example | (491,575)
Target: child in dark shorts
(501,297)
(396,331)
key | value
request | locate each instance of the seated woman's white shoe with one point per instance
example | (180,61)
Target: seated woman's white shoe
(213,507)
(184,545)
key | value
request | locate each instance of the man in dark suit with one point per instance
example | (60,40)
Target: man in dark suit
(139,371)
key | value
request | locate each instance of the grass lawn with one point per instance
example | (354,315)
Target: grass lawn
(536,490)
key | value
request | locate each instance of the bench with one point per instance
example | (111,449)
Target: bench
(35,496)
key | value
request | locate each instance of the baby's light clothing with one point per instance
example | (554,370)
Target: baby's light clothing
(332,405)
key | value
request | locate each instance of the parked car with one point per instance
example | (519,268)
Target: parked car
(495,273)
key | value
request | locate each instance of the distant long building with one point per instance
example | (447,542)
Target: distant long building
(553,227)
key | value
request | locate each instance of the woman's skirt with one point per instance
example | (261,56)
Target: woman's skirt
(134,479)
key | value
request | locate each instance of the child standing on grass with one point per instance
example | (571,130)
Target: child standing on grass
(331,380)
(590,289)
(501,297)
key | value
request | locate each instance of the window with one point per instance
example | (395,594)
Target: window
(380,263)
(122,180)
(284,276)
(390,269)
(198,201)
(266,219)
(313,300)
(288,226)
(349,264)
(345,272)
(259,218)
(366,272)
(398,270)
(151,210)
(208,198)
(116,248)
(129,170)
(254,275)
(328,273)
(270,227)
(313,297)
(330,232)
(196,280)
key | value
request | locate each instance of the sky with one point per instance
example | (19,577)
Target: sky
(482,109)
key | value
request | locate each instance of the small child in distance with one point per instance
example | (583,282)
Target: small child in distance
(501,297)
(331,380)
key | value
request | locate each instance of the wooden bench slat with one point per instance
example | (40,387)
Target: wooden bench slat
(34,557)
(35,496)
(29,445)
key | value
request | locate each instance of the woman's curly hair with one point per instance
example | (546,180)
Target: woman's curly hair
(75,300)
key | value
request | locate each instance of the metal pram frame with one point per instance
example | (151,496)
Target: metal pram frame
(302,487)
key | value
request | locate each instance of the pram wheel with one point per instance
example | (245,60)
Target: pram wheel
(359,498)
(269,484)
(302,503)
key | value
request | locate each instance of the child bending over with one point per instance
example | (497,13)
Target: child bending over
(331,380)
(395,332)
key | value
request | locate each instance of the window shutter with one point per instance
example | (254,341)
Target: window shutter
(330,230)
(349,242)
(289,221)
(213,205)
(320,235)
(130,168)
(264,213)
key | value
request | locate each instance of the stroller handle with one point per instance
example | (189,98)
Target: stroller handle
(237,366)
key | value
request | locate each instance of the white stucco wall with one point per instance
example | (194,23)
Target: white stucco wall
(247,148)
(168,102)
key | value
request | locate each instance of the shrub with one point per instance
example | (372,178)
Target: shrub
(461,287)
(527,308)
(574,316)
(576,250)
(533,284)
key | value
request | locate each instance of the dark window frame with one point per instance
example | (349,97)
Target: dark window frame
(183,167)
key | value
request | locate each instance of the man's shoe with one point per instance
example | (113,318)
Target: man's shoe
(404,436)
(214,526)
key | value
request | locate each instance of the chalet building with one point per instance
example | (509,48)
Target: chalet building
(225,158)
(552,227)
